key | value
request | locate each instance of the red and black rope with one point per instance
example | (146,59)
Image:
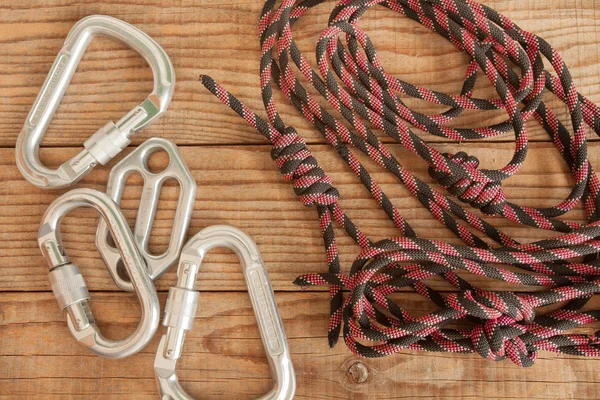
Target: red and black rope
(505,323)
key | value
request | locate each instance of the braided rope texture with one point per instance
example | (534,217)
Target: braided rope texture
(351,79)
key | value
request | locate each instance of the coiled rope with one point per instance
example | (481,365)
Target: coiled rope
(505,323)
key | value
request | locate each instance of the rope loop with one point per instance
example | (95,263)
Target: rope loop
(487,196)
(348,81)
(297,164)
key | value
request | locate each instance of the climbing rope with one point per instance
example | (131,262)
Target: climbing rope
(504,324)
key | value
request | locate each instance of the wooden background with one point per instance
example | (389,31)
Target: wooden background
(238,184)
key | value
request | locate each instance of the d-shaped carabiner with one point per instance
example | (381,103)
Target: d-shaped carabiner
(69,286)
(109,140)
(180,311)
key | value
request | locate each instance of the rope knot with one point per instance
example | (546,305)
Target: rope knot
(500,338)
(487,196)
(490,305)
(297,164)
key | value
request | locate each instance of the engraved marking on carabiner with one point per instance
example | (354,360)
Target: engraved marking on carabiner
(69,287)
(264,309)
(113,137)
(54,76)
(137,162)
(179,315)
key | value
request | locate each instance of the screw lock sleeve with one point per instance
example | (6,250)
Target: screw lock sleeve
(106,143)
(180,309)
(68,285)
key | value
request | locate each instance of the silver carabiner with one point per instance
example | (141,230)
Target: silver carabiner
(68,284)
(180,311)
(137,161)
(109,140)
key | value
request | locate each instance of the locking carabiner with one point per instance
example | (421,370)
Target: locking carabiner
(137,161)
(109,140)
(180,311)
(68,284)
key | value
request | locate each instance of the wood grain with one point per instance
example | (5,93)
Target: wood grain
(223,357)
(239,184)
(216,38)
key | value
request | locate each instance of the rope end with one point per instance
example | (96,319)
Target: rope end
(303,283)
(333,337)
(205,79)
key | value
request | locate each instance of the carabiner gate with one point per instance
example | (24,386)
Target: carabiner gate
(180,311)
(137,161)
(109,140)
(68,284)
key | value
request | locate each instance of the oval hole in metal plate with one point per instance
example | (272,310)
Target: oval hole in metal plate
(129,203)
(162,224)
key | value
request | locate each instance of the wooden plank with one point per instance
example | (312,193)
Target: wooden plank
(220,39)
(223,357)
(241,186)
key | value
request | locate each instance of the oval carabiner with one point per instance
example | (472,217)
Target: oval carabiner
(137,161)
(68,284)
(180,311)
(109,140)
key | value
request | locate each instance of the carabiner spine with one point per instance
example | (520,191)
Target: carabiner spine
(263,302)
(38,119)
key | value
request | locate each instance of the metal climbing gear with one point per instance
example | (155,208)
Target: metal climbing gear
(109,140)
(180,311)
(137,161)
(69,286)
